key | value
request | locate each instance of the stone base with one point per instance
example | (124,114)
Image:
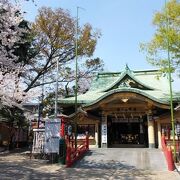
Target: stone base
(151,145)
(103,145)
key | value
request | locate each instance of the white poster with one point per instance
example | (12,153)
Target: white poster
(52,136)
(104,133)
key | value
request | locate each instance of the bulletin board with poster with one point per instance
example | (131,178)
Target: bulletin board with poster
(52,135)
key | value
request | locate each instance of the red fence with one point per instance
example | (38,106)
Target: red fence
(168,154)
(72,153)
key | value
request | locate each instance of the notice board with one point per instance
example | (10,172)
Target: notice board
(52,135)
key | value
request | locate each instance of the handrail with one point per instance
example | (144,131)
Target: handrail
(168,154)
(72,153)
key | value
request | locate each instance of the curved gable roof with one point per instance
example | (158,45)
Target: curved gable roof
(147,80)
(151,84)
(131,75)
(131,90)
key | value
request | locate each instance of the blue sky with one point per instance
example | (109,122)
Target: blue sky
(123,24)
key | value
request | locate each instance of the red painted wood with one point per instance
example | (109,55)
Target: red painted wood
(62,131)
(168,154)
(72,154)
(68,157)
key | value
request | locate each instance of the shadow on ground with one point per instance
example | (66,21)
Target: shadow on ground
(18,166)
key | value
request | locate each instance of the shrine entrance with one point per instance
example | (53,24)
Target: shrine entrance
(128,120)
(127,132)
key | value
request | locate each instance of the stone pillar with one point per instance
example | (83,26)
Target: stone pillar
(151,138)
(104,131)
(159,136)
(96,135)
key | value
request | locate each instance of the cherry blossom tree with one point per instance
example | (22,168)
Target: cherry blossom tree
(15,43)
(12,59)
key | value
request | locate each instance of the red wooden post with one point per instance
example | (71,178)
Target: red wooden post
(170,160)
(72,141)
(62,130)
(163,142)
(168,154)
(87,142)
(68,157)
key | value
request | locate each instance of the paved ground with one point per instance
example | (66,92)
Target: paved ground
(104,164)
(139,158)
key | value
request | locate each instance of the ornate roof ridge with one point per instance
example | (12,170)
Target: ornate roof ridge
(131,74)
(134,71)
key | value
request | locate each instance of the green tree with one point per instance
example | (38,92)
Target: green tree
(55,36)
(167,23)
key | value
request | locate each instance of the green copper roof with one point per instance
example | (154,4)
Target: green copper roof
(95,96)
(161,98)
(130,75)
(150,83)
(151,79)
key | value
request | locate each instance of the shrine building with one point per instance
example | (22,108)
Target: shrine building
(125,109)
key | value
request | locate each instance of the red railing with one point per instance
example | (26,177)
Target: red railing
(168,154)
(72,153)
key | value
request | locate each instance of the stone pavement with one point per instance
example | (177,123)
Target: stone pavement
(19,166)
(139,158)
